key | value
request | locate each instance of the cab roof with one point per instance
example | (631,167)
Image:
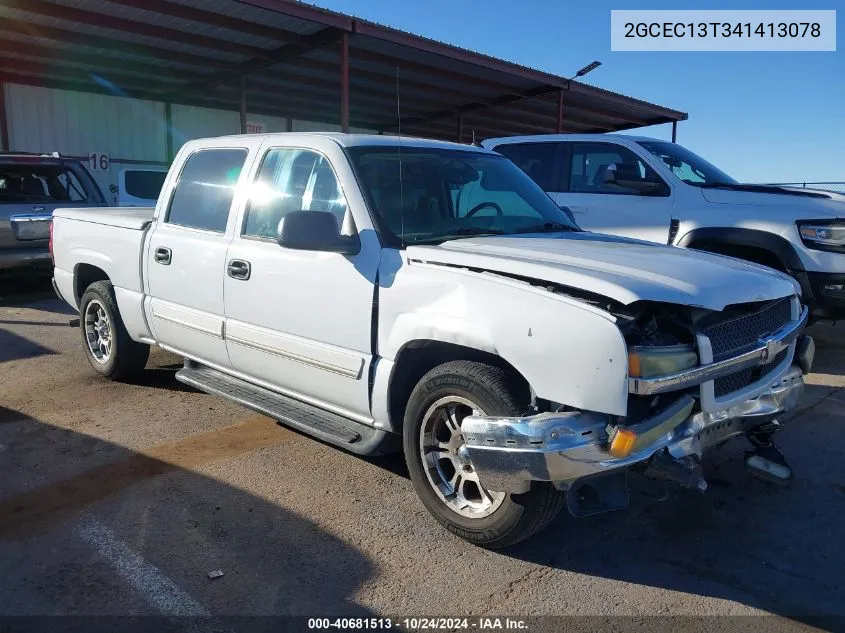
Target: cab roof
(370,140)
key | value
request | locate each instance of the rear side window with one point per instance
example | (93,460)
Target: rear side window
(588,170)
(23,183)
(143,183)
(203,195)
(538,160)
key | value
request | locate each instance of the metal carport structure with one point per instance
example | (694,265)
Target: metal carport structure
(284,58)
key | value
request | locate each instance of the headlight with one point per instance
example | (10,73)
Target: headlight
(819,233)
(649,362)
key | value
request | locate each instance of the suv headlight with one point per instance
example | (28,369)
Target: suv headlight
(823,234)
(650,362)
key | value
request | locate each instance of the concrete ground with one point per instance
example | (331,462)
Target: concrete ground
(120,498)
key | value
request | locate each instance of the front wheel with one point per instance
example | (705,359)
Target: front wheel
(108,346)
(439,463)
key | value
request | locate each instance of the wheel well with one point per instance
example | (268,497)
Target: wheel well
(83,276)
(417,358)
(754,254)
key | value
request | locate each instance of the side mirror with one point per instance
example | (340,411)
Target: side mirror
(316,231)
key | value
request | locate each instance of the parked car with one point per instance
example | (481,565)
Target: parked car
(367,289)
(140,186)
(660,191)
(31,187)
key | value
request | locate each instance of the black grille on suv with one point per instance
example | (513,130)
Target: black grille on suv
(741,334)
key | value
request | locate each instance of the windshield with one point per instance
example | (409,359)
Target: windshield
(449,193)
(687,166)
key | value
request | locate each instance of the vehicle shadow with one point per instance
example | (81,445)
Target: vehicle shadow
(830,348)
(160,376)
(14,347)
(743,541)
(766,546)
(25,322)
(105,530)
(24,287)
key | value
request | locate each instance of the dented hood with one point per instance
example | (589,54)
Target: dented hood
(621,269)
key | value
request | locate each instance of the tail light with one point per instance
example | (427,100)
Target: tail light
(50,243)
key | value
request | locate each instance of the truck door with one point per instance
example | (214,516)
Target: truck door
(301,321)
(612,190)
(185,256)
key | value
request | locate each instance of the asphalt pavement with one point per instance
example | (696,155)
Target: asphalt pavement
(120,498)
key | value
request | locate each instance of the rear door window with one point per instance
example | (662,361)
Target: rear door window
(292,180)
(539,160)
(590,163)
(50,184)
(203,195)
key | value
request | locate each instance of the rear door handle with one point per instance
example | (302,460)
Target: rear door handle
(163,255)
(239,269)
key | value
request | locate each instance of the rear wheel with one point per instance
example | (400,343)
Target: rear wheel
(108,347)
(440,466)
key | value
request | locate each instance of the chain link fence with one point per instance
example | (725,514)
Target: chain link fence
(836,187)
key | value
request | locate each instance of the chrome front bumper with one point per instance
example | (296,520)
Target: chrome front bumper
(509,453)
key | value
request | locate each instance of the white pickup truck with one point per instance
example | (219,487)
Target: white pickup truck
(367,289)
(655,190)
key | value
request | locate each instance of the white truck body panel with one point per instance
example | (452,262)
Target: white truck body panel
(626,271)
(514,320)
(303,322)
(135,218)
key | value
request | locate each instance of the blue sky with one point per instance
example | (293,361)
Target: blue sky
(761,117)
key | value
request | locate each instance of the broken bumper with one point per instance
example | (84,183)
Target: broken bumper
(510,453)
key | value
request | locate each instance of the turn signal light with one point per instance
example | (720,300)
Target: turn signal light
(622,442)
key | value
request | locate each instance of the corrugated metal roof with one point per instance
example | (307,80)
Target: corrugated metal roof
(195,52)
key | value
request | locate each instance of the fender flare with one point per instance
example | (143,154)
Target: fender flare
(779,246)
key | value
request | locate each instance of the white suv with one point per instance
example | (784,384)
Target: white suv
(660,191)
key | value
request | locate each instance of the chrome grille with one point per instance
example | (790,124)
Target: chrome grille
(742,334)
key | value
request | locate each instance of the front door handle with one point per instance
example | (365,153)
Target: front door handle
(239,269)
(163,255)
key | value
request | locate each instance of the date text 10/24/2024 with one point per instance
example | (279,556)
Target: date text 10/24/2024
(420,624)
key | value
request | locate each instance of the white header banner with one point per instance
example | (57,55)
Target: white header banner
(723,30)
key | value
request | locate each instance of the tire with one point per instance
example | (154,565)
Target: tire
(491,520)
(121,356)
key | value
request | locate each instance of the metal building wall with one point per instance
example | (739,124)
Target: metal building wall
(190,122)
(79,123)
(132,132)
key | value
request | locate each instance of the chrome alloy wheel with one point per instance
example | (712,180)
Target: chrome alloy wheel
(446,460)
(98,332)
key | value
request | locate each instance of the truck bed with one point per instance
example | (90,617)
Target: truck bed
(125,217)
(104,242)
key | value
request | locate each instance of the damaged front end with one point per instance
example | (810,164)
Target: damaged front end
(696,379)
